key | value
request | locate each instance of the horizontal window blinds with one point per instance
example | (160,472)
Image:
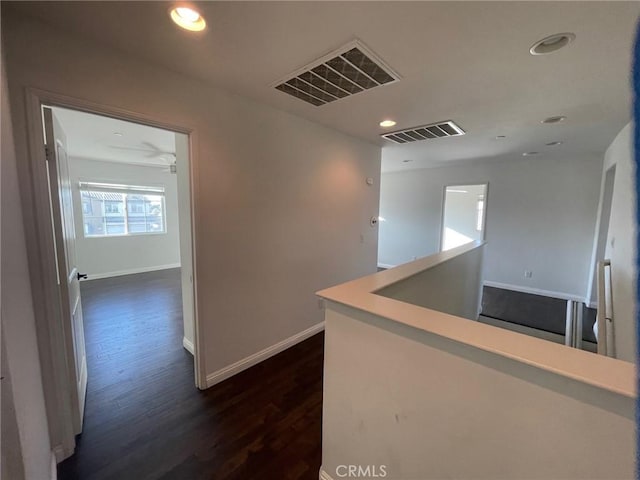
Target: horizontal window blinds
(119,188)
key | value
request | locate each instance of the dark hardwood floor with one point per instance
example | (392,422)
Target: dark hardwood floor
(145,419)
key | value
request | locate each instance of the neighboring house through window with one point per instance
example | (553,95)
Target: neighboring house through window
(113,209)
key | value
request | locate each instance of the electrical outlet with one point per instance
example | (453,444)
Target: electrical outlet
(528,274)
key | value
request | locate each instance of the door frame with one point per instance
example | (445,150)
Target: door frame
(442,206)
(600,237)
(51,326)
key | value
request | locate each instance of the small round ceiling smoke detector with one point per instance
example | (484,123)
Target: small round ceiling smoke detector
(500,137)
(556,119)
(552,43)
(530,154)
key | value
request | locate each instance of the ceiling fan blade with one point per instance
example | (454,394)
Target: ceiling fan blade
(129,148)
(155,148)
(150,146)
(150,152)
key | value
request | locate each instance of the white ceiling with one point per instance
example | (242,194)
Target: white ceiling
(465,61)
(96,137)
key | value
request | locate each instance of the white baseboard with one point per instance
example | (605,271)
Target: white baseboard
(324,475)
(386,265)
(53,475)
(98,276)
(188,345)
(250,361)
(535,291)
(60,453)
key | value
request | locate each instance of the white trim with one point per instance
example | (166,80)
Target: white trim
(535,291)
(324,475)
(251,360)
(188,345)
(131,271)
(386,265)
(53,474)
(60,453)
(41,250)
(593,263)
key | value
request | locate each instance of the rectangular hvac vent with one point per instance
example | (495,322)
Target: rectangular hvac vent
(426,132)
(349,70)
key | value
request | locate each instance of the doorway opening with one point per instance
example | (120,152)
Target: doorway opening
(119,202)
(463,215)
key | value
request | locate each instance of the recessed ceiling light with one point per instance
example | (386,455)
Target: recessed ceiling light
(188,18)
(556,119)
(500,137)
(552,43)
(407,161)
(530,154)
(117,134)
(387,123)
(553,144)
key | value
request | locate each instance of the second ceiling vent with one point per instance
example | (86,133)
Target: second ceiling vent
(426,132)
(349,70)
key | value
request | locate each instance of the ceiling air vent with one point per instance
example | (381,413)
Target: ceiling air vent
(349,70)
(426,132)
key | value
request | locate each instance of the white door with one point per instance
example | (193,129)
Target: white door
(68,274)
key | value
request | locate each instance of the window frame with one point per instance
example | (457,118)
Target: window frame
(124,190)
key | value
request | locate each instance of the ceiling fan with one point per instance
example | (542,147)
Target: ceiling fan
(154,152)
(172,168)
(151,150)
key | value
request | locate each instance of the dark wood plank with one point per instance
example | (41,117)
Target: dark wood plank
(145,419)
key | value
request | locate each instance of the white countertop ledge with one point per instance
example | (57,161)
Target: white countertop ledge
(607,373)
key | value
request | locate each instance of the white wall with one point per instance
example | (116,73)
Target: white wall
(282,207)
(453,287)
(10,445)
(540,216)
(621,243)
(101,257)
(433,408)
(25,434)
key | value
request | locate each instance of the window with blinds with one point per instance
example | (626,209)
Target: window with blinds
(115,210)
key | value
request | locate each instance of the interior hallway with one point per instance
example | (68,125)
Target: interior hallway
(144,417)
